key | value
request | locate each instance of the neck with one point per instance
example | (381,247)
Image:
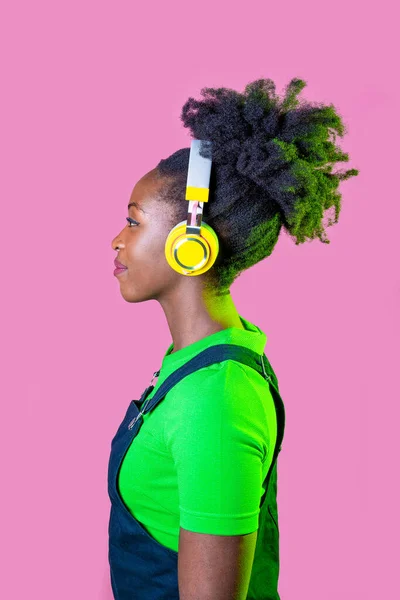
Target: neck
(194,312)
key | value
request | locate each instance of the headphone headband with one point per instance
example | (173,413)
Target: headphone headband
(197,185)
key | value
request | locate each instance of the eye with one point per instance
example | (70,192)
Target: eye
(132,221)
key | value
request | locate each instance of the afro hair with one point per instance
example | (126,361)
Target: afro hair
(272,161)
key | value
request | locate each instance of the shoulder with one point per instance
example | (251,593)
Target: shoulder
(227,397)
(221,380)
(228,387)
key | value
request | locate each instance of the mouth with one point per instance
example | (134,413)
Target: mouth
(119,265)
(120,268)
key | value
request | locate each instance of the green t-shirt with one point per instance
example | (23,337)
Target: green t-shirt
(200,457)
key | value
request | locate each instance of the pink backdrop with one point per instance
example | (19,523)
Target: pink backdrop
(91,97)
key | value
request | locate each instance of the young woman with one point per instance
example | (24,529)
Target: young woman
(193,466)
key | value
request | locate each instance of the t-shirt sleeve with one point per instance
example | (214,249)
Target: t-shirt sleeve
(217,434)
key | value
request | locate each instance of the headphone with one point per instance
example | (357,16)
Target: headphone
(192,246)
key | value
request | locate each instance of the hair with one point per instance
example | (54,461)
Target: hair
(272,161)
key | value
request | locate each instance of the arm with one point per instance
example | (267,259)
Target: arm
(214,567)
(218,445)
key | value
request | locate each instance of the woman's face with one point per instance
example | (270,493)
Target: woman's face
(140,244)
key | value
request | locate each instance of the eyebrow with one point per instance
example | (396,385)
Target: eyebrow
(137,206)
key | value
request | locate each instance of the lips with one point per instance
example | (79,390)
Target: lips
(119,265)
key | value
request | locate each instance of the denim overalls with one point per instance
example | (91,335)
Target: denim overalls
(141,568)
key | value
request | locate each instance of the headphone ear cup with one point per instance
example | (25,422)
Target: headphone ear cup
(191,254)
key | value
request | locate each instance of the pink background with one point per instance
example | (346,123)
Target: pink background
(91,97)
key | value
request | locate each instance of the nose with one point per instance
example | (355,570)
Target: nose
(115,244)
(117,241)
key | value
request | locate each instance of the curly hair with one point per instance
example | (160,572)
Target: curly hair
(272,161)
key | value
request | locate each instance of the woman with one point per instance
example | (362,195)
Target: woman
(192,475)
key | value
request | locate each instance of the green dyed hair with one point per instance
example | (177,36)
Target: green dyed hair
(272,168)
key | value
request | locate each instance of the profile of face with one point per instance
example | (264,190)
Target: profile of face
(140,245)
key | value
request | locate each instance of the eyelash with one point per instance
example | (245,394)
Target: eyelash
(132,221)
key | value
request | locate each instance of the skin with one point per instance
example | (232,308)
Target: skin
(209,566)
(214,567)
(193,311)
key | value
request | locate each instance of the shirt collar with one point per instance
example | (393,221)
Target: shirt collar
(251,337)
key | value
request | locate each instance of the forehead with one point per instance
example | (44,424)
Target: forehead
(143,194)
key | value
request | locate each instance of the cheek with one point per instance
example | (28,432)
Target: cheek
(147,250)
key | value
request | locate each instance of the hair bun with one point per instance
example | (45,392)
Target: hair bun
(258,159)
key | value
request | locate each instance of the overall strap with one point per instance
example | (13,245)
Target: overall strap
(214,354)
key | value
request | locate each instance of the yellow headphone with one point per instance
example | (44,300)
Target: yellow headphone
(192,246)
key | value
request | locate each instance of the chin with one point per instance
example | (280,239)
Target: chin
(133,296)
